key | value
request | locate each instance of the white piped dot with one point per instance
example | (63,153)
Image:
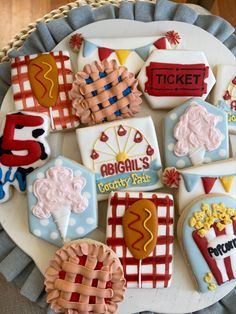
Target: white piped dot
(80,230)
(90,220)
(77,173)
(40,175)
(171,147)
(72,221)
(30,188)
(37,232)
(54,235)
(173,116)
(58,162)
(222,152)
(180,163)
(87,195)
(44,222)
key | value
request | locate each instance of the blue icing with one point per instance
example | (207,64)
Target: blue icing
(143,52)
(9,178)
(80,224)
(221,153)
(190,180)
(230,113)
(88,48)
(198,264)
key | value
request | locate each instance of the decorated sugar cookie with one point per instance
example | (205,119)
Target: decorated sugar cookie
(123,154)
(168,78)
(195,133)
(140,231)
(23,148)
(84,276)
(128,52)
(224,93)
(62,201)
(207,233)
(216,177)
(104,92)
(41,83)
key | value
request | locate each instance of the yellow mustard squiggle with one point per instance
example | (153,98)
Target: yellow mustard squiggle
(48,78)
(146,228)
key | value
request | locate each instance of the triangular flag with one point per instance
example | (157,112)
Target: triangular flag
(122,55)
(88,48)
(227,183)
(208,184)
(161,43)
(104,53)
(190,180)
(143,52)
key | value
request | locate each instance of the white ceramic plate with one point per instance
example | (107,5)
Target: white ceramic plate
(182,296)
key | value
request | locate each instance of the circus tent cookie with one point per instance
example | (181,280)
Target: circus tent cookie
(216,177)
(207,234)
(123,154)
(62,201)
(23,148)
(85,276)
(104,91)
(140,227)
(195,133)
(169,78)
(224,93)
(130,52)
(41,83)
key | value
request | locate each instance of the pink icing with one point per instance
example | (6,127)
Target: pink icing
(59,188)
(196,129)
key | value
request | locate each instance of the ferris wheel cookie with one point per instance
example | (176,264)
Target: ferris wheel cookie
(85,276)
(123,154)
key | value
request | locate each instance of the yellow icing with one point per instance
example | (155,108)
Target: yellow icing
(199,225)
(205,207)
(147,229)
(201,232)
(227,183)
(121,156)
(208,278)
(122,55)
(212,286)
(220,226)
(48,78)
(192,222)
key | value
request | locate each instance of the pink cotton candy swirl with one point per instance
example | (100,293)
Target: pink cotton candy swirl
(197,129)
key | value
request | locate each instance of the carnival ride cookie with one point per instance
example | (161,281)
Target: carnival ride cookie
(170,77)
(140,231)
(124,155)
(62,201)
(41,83)
(23,148)
(195,133)
(224,93)
(104,92)
(130,52)
(216,177)
(85,276)
(207,234)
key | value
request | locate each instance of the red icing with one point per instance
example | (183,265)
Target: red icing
(208,183)
(171,177)
(160,43)
(75,42)
(94,155)
(234,80)
(227,95)
(138,137)
(104,137)
(173,37)
(170,79)
(136,230)
(121,131)
(32,147)
(233,105)
(104,53)
(150,150)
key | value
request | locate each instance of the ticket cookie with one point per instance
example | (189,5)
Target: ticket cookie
(140,231)
(62,201)
(170,77)
(84,276)
(41,83)
(195,133)
(124,155)
(207,234)
(103,92)
(130,52)
(224,93)
(216,177)
(23,148)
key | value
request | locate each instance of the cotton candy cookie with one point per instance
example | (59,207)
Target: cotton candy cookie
(195,133)
(207,234)
(62,201)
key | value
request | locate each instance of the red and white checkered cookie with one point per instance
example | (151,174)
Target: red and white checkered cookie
(63,113)
(156,269)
